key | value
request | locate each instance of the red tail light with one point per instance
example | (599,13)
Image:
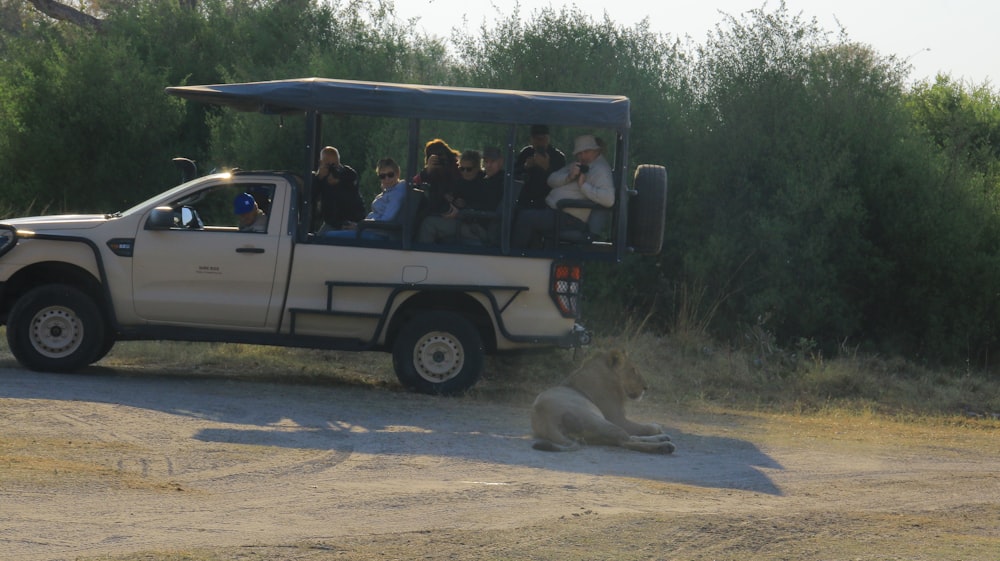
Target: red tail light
(565,289)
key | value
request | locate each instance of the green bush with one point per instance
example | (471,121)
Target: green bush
(813,196)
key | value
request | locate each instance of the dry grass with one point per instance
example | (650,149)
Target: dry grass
(682,371)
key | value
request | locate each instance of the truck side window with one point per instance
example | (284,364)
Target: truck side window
(215,205)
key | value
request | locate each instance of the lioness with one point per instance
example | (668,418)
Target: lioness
(589,408)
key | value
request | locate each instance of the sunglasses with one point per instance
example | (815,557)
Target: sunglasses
(385,175)
(466,169)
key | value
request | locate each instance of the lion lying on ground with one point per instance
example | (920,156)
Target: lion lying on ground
(589,408)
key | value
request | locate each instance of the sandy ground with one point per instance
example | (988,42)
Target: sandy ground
(113,462)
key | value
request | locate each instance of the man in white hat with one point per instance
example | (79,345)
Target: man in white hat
(588,178)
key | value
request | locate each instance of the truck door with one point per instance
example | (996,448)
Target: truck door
(205,270)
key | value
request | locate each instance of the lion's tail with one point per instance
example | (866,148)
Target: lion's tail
(549,446)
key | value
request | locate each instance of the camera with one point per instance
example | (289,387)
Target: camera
(584,168)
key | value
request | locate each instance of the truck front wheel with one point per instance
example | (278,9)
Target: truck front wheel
(55,328)
(438,353)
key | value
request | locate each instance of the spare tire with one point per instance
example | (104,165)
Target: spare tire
(647,209)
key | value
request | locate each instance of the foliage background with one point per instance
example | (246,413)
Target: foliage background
(818,203)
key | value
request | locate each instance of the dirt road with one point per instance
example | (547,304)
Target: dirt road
(114,462)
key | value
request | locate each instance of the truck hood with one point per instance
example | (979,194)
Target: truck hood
(57,222)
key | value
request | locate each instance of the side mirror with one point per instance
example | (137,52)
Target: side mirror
(190,219)
(162,218)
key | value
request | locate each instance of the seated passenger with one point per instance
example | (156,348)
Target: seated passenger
(335,189)
(487,197)
(465,193)
(439,174)
(249,216)
(588,178)
(385,207)
(533,165)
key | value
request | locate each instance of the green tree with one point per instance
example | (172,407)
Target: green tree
(567,50)
(944,231)
(964,122)
(769,218)
(82,130)
(810,193)
(88,127)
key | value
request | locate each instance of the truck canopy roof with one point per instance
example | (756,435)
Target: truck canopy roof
(324,95)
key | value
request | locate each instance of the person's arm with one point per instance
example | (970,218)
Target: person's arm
(395,202)
(560,177)
(349,178)
(599,185)
(519,163)
(557,159)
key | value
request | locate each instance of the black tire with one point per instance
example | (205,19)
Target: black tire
(56,328)
(647,210)
(106,346)
(438,353)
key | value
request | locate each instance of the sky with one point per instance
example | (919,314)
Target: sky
(954,37)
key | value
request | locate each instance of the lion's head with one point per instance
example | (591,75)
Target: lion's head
(608,378)
(632,383)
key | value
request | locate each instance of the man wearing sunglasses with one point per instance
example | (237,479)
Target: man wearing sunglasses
(386,205)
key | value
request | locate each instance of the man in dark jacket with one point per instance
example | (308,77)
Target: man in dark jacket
(487,197)
(335,187)
(465,193)
(533,165)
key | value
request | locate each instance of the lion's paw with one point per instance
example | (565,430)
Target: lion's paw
(666,447)
(659,430)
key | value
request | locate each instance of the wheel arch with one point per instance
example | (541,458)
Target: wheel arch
(50,272)
(444,301)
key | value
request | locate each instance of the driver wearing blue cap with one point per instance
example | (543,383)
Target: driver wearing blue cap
(251,217)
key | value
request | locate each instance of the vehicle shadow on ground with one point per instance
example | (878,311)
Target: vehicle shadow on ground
(351,420)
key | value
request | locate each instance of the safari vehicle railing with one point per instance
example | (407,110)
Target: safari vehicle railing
(315,97)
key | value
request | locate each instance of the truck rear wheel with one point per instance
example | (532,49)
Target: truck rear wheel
(55,328)
(648,209)
(438,353)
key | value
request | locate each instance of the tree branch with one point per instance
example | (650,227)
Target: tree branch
(62,12)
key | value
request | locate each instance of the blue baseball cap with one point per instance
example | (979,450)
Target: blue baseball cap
(243,203)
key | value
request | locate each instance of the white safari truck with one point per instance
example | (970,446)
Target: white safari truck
(176,267)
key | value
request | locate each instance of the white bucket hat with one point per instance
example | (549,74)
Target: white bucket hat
(585,142)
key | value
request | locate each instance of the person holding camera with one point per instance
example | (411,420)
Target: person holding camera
(438,177)
(587,178)
(335,188)
(533,165)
